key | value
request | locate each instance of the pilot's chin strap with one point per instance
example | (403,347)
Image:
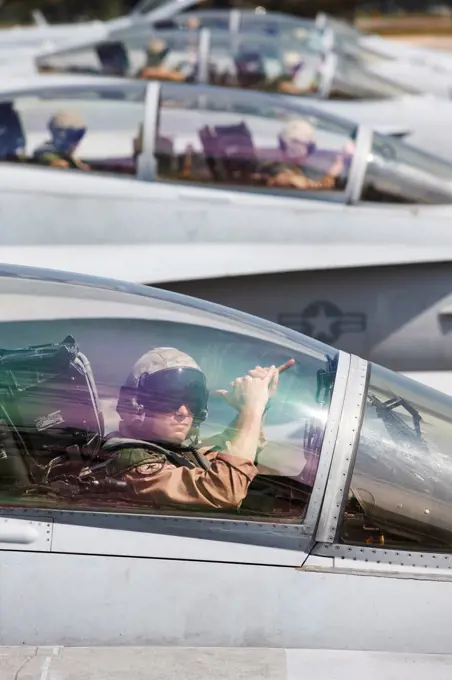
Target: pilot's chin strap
(175,454)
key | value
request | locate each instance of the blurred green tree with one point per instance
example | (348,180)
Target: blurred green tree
(67,11)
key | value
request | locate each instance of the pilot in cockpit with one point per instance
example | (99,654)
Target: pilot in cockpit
(297,143)
(163,403)
(251,74)
(192,23)
(303,80)
(67,129)
(155,69)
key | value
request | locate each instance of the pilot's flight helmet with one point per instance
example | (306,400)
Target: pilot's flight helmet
(297,138)
(67,129)
(160,381)
(250,67)
(156,51)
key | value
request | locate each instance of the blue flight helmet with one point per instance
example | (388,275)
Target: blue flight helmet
(250,68)
(67,129)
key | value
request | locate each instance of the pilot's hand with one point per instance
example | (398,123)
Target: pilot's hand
(288,87)
(59,163)
(349,148)
(337,167)
(252,393)
(83,166)
(175,76)
(288,179)
(259,372)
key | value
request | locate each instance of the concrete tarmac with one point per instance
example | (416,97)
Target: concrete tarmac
(178,663)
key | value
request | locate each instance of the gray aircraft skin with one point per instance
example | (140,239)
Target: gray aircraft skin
(339,85)
(338,558)
(371,276)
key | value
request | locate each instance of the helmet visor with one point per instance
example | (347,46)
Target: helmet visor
(65,138)
(167,390)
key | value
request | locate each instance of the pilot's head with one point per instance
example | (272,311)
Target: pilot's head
(164,398)
(250,68)
(67,129)
(291,58)
(297,138)
(156,51)
(192,23)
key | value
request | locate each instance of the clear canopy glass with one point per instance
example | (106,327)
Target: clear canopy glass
(352,80)
(397,172)
(271,24)
(106,118)
(260,143)
(236,138)
(246,60)
(69,382)
(400,491)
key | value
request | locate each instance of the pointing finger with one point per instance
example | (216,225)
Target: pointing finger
(285,366)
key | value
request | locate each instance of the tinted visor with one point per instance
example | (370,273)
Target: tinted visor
(65,138)
(167,390)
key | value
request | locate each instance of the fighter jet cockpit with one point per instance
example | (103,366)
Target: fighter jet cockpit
(252,142)
(73,126)
(249,61)
(218,138)
(215,57)
(125,399)
(77,391)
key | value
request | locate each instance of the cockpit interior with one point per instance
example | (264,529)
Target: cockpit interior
(217,57)
(230,139)
(61,382)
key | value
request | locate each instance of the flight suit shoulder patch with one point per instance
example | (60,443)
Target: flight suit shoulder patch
(128,459)
(149,468)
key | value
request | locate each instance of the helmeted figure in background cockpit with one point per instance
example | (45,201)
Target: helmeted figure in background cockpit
(297,143)
(67,129)
(251,74)
(155,69)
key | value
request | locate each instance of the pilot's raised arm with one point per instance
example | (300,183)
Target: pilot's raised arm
(163,404)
